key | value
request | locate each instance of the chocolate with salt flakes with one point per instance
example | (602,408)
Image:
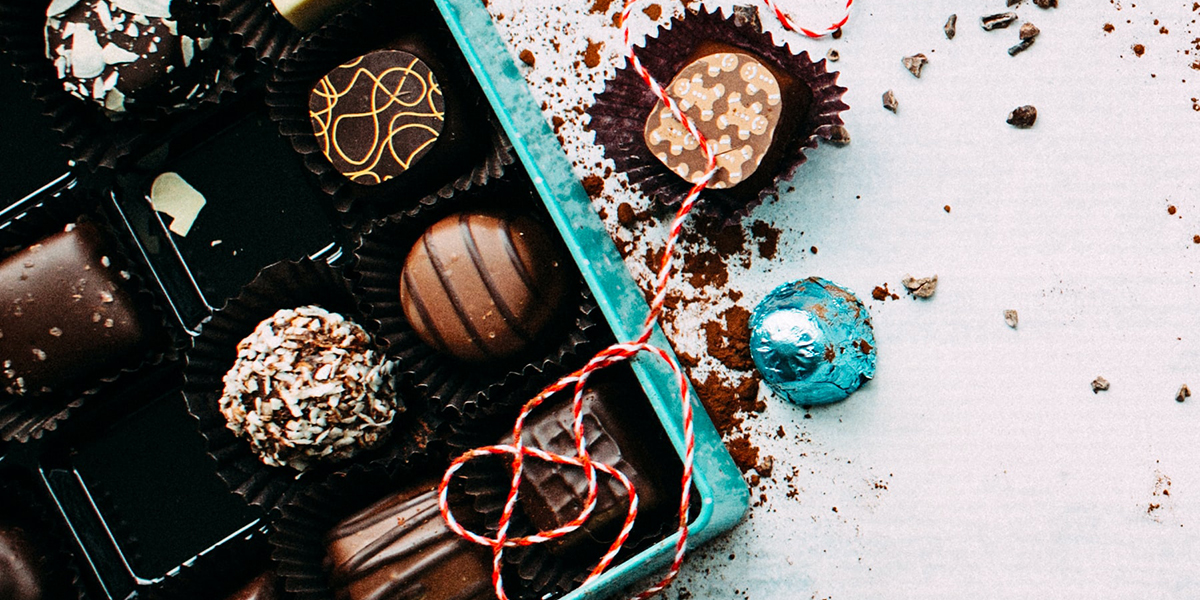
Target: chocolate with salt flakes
(66,313)
(124,53)
(400,548)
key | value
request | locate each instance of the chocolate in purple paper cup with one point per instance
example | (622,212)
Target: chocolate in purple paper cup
(790,102)
(433,137)
(76,313)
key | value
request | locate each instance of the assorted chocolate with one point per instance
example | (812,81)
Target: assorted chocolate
(483,287)
(22,568)
(308,386)
(376,115)
(67,313)
(121,54)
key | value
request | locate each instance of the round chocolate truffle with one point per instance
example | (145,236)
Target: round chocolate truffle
(377,115)
(308,386)
(21,567)
(812,341)
(121,53)
(482,287)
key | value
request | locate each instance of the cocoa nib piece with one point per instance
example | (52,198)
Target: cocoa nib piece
(951,27)
(1183,394)
(921,287)
(839,135)
(1046,3)
(833,55)
(1099,384)
(747,15)
(889,101)
(997,21)
(1021,46)
(1029,31)
(915,63)
(1023,117)
(1010,318)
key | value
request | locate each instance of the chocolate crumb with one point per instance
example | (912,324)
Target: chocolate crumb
(653,11)
(593,185)
(915,63)
(997,21)
(747,16)
(837,33)
(1183,394)
(1139,49)
(882,293)
(946,208)
(920,287)
(1171,209)
(1022,117)
(1046,3)
(625,214)
(527,57)
(600,6)
(1012,3)
(1196,239)
(744,453)
(591,56)
(813,249)
(833,55)
(889,101)
(1029,31)
(768,237)
(1108,28)
(1099,384)
(839,135)
(1021,46)
(1010,318)
(951,27)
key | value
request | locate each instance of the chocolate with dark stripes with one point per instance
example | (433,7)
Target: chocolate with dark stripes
(401,549)
(482,287)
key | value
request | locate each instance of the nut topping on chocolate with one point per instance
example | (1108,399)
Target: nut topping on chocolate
(308,386)
(731,98)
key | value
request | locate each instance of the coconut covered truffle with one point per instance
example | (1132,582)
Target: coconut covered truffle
(124,53)
(308,387)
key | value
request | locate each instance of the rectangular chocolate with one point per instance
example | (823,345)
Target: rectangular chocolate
(401,549)
(66,313)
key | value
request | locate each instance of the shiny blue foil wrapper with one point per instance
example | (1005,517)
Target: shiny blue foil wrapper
(812,341)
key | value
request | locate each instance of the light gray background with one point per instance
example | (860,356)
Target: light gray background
(978,463)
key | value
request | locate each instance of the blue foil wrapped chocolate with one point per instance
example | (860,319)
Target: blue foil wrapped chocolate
(812,341)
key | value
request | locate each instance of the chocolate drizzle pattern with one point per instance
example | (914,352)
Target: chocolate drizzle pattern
(376,115)
(401,549)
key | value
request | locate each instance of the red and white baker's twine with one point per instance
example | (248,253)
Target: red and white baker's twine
(609,356)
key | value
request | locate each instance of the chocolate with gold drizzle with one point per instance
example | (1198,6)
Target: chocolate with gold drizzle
(401,549)
(377,115)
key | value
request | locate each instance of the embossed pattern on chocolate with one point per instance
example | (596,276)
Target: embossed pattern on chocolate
(65,313)
(735,101)
(377,115)
(401,549)
(482,287)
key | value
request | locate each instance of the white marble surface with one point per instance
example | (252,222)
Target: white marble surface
(978,463)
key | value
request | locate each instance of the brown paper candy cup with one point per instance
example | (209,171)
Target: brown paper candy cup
(96,141)
(618,116)
(282,285)
(470,150)
(26,418)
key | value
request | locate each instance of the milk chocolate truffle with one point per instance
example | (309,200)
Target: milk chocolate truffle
(122,53)
(308,386)
(737,102)
(377,115)
(22,569)
(66,314)
(401,548)
(482,287)
(625,437)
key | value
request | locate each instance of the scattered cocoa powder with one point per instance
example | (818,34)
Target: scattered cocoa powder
(1170,209)
(625,214)
(768,244)
(881,293)
(1108,28)
(1139,49)
(728,403)
(594,185)
(557,122)
(600,7)
(744,453)
(653,11)
(591,56)
(527,57)
(729,339)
